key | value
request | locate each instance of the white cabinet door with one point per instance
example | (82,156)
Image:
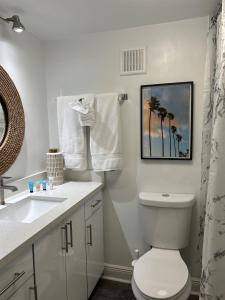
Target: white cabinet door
(94,248)
(76,257)
(50,265)
(25,292)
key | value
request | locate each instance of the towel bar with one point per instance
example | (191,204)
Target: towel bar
(121,97)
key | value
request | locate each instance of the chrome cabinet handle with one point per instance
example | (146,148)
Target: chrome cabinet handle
(96,203)
(90,237)
(17,276)
(70,224)
(66,238)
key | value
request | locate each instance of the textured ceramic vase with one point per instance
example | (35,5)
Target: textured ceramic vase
(55,164)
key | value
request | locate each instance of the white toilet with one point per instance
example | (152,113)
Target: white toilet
(161,273)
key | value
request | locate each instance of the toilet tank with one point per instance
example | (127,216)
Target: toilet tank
(166,219)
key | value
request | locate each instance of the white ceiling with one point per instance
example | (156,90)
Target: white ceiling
(53,19)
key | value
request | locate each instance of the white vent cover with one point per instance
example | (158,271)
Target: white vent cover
(133,61)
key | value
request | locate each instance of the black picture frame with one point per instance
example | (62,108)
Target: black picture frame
(171,102)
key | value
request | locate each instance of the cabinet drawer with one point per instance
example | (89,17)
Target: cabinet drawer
(92,205)
(15,274)
(25,292)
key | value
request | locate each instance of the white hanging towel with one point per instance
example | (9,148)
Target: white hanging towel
(72,137)
(105,136)
(85,106)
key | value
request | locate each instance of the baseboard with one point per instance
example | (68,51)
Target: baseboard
(195,286)
(117,273)
(124,274)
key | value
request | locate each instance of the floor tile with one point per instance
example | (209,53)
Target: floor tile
(113,290)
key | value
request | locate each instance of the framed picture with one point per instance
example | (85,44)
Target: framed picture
(166,121)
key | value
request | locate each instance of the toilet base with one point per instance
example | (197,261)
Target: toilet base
(182,295)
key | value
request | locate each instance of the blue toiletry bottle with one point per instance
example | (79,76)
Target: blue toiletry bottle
(44,185)
(31,186)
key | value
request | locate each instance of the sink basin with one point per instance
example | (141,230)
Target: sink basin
(29,209)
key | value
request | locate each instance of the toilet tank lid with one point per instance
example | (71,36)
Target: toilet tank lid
(166,199)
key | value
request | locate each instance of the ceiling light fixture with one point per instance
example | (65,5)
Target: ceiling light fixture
(17,26)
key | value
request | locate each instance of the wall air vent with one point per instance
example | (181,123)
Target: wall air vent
(133,61)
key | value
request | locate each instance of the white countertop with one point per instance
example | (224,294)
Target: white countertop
(16,236)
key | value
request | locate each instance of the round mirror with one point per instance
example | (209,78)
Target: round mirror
(3,120)
(12,122)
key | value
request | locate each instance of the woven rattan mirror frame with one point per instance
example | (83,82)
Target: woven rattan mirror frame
(12,143)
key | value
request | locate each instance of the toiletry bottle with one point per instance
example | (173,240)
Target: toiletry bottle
(38,186)
(31,186)
(44,187)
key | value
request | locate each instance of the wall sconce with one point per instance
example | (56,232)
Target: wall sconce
(17,26)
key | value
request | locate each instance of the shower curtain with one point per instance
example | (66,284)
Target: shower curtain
(213,165)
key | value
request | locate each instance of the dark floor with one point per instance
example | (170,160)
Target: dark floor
(113,290)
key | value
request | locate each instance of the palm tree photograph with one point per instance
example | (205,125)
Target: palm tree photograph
(166,121)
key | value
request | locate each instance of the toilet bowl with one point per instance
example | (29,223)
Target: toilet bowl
(161,274)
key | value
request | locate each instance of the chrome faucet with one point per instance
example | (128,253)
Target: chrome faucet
(5,187)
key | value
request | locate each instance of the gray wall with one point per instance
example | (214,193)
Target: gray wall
(90,63)
(22,57)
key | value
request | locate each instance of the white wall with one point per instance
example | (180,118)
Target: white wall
(90,63)
(22,57)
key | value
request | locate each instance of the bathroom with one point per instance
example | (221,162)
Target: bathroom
(74,48)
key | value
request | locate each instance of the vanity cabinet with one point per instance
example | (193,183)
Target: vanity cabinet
(16,278)
(69,258)
(94,241)
(60,261)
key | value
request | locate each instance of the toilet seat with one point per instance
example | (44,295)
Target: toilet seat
(182,295)
(161,274)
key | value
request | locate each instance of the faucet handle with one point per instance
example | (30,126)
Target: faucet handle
(2,178)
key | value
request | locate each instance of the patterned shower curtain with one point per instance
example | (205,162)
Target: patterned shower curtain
(213,164)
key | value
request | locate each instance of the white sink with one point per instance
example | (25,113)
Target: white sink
(29,209)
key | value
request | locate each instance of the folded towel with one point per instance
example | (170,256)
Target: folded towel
(85,105)
(72,137)
(105,136)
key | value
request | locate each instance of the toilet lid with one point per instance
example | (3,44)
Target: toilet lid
(160,273)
